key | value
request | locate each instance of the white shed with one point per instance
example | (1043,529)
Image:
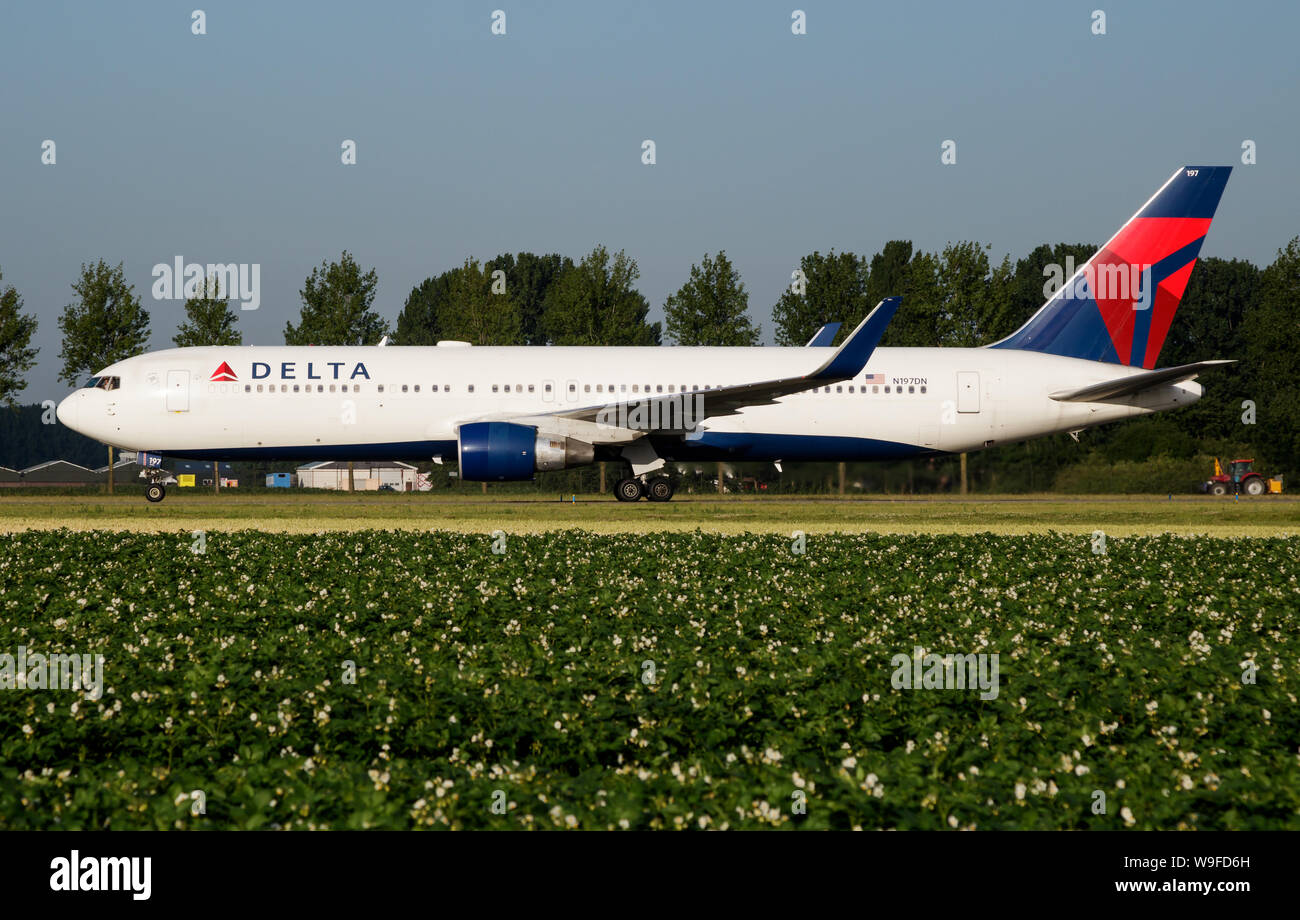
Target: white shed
(368,476)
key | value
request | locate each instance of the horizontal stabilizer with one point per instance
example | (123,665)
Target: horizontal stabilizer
(1135,383)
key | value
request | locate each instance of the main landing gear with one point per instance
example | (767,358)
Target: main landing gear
(658,489)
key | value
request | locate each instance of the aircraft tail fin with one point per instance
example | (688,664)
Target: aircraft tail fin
(1119,305)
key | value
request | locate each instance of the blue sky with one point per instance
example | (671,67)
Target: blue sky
(226,147)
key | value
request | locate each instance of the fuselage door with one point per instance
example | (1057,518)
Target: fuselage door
(178,391)
(968,391)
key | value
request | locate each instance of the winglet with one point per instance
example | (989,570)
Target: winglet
(824,336)
(851,357)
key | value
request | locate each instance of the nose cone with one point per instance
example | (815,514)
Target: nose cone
(67,411)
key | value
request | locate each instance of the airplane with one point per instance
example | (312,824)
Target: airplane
(1086,357)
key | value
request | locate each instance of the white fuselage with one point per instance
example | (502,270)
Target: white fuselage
(375,402)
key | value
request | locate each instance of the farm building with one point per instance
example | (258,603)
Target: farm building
(57,473)
(368,476)
(199,473)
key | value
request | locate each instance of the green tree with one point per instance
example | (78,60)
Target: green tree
(916,324)
(528,278)
(17,356)
(710,308)
(595,303)
(210,321)
(417,324)
(1272,348)
(887,276)
(336,300)
(975,296)
(471,312)
(832,288)
(107,323)
(1209,324)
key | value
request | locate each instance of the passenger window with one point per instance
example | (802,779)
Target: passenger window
(839,389)
(248,388)
(922,389)
(886,389)
(494,388)
(295,388)
(531,388)
(875,389)
(471,388)
(573,388)
(381,388)
(320,388)
(259,388)
(911,389)
(547,388)
(634,388)
(586,388)
(850,388)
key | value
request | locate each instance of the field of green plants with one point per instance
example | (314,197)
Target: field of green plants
(380,679)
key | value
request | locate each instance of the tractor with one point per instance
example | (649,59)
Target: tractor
(1241,477)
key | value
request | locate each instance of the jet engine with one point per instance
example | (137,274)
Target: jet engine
(500,451)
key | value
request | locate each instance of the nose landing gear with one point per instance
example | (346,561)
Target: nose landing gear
(155,492)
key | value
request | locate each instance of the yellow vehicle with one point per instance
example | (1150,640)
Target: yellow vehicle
(1241,477)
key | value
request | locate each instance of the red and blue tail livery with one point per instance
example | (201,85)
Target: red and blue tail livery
(1118,307)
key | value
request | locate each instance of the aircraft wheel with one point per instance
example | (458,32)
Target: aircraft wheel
(659,489)
(1254,486)
(629,490)
(1218,489)
(155,493)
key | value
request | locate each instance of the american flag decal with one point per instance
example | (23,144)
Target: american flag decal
(874,378)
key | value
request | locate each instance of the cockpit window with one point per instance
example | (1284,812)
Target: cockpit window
(109,383)
(91,383)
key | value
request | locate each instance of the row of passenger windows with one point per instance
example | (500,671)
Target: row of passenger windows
(519,388)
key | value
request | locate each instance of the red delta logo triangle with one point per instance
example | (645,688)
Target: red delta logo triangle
(223,373)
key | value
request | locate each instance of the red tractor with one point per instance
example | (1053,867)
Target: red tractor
(1241,477)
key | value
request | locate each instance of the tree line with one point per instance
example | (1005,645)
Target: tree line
(954,297)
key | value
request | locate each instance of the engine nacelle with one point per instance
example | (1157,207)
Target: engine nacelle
(502,451)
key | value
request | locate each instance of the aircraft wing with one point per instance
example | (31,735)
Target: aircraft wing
(1135,383)
(846,363)
(605,423)
(824,336)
